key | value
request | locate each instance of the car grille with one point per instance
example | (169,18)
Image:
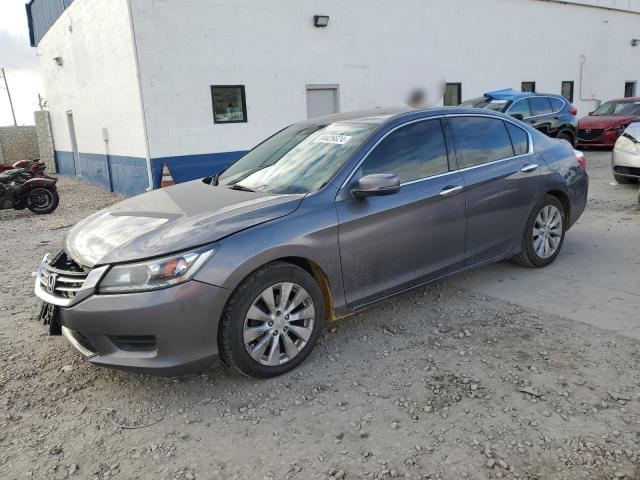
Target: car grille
(62,277)
(590,134)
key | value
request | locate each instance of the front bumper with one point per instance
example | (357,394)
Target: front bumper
(626,163)
(172,331)
(608,140)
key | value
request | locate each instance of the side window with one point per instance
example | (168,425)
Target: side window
(521,107)
(519,139)
(556,104)
(411,152)
(540,106)
(480,140)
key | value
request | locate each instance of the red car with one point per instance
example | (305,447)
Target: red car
(603,127)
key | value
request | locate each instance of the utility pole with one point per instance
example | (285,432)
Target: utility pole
(6,85)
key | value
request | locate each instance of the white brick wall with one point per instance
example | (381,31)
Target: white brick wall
(97,80)
(376,50)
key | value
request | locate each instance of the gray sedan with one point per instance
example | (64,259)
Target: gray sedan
(319,221)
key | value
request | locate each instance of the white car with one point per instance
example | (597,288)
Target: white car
(626,155)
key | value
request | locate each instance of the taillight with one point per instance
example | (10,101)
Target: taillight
(573,110)
(581,159)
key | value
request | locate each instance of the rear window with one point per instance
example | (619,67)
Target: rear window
(556,104)
(540,106)
(519,139)
(480,140)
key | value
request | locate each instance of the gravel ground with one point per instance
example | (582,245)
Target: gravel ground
(441,383)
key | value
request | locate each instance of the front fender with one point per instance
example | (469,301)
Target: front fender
(311,233)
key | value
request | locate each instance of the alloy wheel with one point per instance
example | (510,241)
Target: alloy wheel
(40,199)
(279,324)
(547,231)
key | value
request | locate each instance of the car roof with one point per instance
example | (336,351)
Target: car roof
(511,94)
(374,116)
(624,100)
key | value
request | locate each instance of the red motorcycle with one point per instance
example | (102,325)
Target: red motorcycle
(33,168)
(38,194)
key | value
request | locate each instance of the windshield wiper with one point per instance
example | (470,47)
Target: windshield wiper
(237,186)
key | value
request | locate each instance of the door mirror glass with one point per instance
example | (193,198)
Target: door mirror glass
(517,116)
(376,184)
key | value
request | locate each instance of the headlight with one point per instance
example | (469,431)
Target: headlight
(626,145)
(154,274)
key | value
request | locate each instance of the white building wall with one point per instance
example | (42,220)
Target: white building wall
(376,50)
(97,80)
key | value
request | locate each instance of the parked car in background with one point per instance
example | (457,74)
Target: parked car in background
(324,218)
(626,155)
(603,126)
(551,114)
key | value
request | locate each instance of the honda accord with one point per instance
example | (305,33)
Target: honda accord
(321,220)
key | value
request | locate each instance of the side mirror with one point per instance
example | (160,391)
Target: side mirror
(377,184)
(517,116)
(591,114)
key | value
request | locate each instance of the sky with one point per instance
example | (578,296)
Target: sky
(20,64)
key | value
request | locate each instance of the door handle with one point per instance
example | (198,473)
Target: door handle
(451,190)
(529,168)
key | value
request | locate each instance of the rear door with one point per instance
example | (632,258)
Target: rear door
(501,177)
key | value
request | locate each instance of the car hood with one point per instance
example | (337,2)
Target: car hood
(605,121)
(169,220)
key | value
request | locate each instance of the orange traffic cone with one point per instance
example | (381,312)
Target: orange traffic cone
(167,179)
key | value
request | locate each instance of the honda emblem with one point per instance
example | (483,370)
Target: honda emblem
(51,282)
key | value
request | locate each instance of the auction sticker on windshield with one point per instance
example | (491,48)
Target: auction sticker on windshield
(335,139)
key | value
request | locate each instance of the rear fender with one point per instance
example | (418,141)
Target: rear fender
(37,182)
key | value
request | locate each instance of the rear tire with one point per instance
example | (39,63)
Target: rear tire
(42,200)
(543,236)
(622,180)
(272,321)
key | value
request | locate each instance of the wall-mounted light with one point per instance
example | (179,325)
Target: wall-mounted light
(635,42)
(57,61)
(321,21)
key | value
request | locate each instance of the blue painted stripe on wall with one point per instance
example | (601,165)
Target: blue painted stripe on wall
(191,167)
(64,163)
(128,174)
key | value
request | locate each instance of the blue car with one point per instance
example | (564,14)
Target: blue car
(551,114)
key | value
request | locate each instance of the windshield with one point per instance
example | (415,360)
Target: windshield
(618,108)
(299,159)
(488,103)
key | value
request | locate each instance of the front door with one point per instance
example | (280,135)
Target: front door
(390,243)
(501,180)
(322,100)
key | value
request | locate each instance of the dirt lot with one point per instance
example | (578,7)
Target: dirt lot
(443,383)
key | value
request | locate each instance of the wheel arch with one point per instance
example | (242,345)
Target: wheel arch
(563,198)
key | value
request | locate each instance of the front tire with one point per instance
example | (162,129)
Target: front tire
(543,236)
(42,200)
(272,321)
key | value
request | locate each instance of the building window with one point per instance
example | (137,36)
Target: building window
(528,87)
(229,104)
(567,90)
(630,89)
(453,95)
